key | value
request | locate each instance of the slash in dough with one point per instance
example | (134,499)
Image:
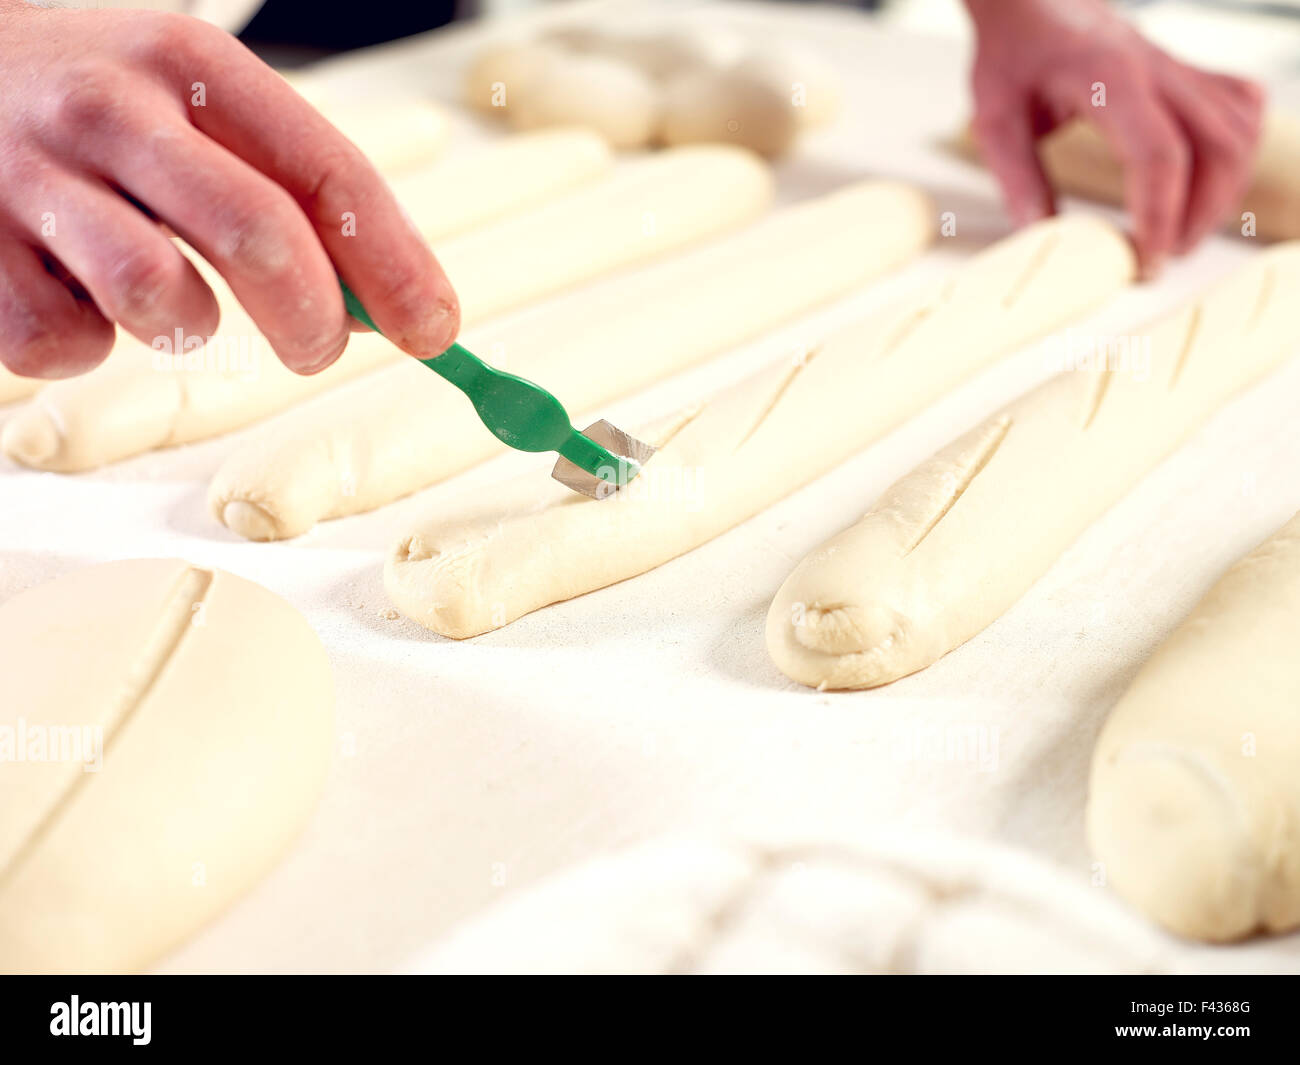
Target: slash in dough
(404,428)
(1194,804)
(950,546)
(126,406)
(473,569)
(202,705)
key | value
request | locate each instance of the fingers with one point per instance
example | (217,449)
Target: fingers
(135,275)
(250,229)
(1242,100)
(251,111)
(1157,162)
(1222,158)
(1005,131)
(45,329)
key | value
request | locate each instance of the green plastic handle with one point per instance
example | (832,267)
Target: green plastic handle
(516,411)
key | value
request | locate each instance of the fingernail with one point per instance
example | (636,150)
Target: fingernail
(437,331)
(329,358)
(1151,267)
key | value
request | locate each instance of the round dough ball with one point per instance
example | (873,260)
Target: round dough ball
(499,76)
(804,78)
(612,98)
(176,726)
(729,106)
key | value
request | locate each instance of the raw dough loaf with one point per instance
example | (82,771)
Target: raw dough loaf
(395,133)
(1194,804)
(1078,160)
(13,387)
(499,75)
(876,904)
(215,704)
(370,444)
(513,550)
(395,136)
(730,106)
(806,81)
(956,542)
(606,95)
(126,406)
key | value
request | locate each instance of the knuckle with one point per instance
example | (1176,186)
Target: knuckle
(1219,147)
(1163,156)
(91,96)
(165,38)
(337,180)
(404,295)
(257,241)
(141,282)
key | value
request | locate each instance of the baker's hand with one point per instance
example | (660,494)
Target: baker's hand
(1185,137)
(112,122)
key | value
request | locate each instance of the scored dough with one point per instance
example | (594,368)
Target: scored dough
(404,429)
(1078,160)
(1194,803)
(650,207)
(952,545)
(469,570)
(877,903)
(213,702)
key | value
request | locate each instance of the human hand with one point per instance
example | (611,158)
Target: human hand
(1185,137)
(104,140)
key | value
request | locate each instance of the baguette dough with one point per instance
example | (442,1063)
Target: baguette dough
(481,566)
(215,704)
(730,106)
(1079,161)
(126,406)
(1194,803)
(395,133)
(498,76)
(952,545)
(404,429)
(875,904)
(13,387)
(606,95)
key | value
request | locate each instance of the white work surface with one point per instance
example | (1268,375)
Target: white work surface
(468,771)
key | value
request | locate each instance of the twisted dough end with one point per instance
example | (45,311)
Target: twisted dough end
(33,439)
(439,588)
(859,645)
(250,521)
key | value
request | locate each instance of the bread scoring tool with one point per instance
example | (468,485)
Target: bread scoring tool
(596,462)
